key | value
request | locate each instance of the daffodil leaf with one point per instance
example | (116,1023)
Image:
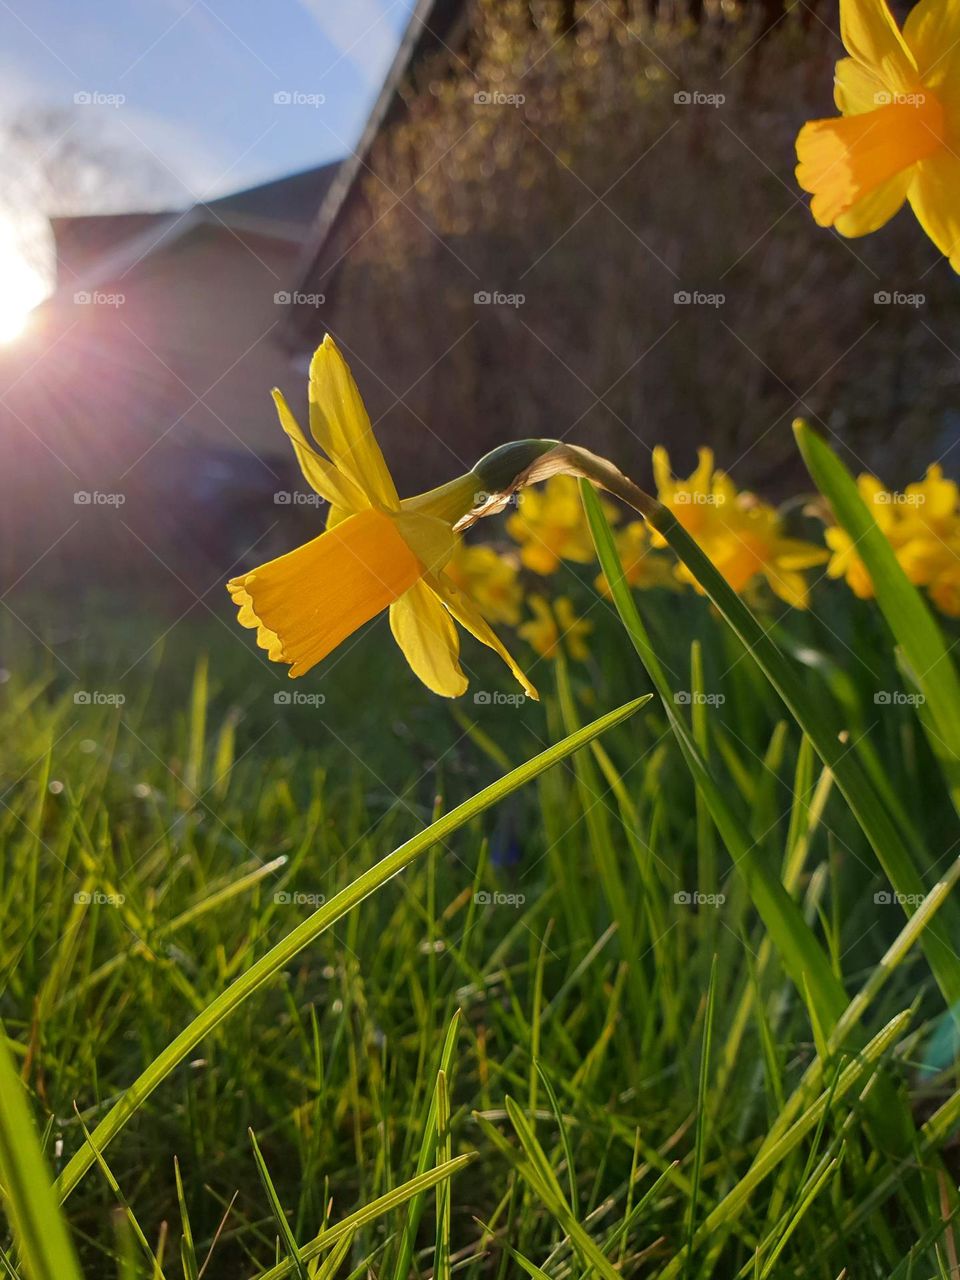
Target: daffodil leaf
(927,658)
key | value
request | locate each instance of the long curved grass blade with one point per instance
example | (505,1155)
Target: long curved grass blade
(305,933)
(427,1150)
(28,1197)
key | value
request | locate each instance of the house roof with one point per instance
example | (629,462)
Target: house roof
(433,25)
(95,249)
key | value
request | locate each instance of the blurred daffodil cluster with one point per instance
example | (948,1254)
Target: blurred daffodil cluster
(922,524)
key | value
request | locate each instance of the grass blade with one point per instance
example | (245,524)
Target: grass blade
(338,906)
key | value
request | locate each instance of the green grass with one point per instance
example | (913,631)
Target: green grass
(388,986)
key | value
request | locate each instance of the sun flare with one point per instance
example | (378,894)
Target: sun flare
(22,286)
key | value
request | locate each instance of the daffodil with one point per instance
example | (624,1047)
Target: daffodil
(642,567)
(742,535)
(898,137)
(550,526)
(376,553)
(922,524)
(489,579)
(551,630)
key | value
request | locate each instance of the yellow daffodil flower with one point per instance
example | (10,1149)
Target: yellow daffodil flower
(550,526)
(898,137)
(553,629)
(642,567)
(922,524)
(742,535)
(489,579)
(377,552)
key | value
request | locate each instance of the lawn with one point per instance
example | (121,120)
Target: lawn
(650,991)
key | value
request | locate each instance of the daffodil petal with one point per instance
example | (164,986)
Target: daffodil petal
(341,426)
(857,88)
(790,587)
(308,601)
(876,209)
(932,34)
(934,196)
(333,485)
(871,35)
(471,620)
(426,634)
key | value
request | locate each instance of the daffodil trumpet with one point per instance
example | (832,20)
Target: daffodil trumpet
(379,551)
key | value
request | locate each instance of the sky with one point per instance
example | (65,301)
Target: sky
(194,83)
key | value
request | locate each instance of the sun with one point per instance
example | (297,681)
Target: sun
(22,286)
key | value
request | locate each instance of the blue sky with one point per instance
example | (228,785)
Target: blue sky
(198,79)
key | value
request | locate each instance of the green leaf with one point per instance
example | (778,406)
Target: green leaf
(906,613)
(816,716)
